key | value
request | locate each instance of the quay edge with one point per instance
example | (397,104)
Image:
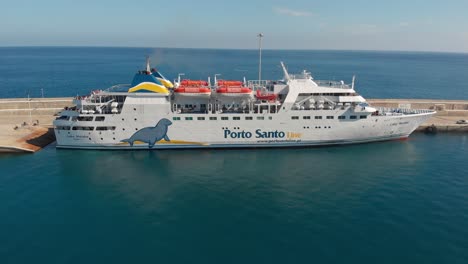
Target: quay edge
(33,118)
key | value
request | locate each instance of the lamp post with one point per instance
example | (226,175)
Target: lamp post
(260,36)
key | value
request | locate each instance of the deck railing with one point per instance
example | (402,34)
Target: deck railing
(402,111)
(332,84)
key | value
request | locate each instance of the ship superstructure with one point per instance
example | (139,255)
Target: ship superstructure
(154,113)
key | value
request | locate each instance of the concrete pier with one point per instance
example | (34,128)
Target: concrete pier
(26,124)
(448,112)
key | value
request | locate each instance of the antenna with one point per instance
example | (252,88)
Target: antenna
(260,36)
(352,84)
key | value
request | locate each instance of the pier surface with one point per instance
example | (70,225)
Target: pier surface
(448,112)
(26,124)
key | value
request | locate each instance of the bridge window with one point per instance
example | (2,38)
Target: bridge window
(63,128)
(100,118)
(236,118)
(363,117)
(200,118)
(224,118)
(189,118)
(176,118)
(213,118)
(260,118)
(342,117)
(248,118)
(352,117)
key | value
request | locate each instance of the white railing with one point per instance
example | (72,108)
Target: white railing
(257,83)
(332,84)
(402,111)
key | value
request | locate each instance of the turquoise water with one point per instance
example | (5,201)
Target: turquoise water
(391,202)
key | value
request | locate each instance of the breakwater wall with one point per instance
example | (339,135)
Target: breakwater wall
(26,123)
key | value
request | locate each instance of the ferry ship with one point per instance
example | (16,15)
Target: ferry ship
(155,113)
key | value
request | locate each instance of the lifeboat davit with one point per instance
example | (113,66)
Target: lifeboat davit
(193,88)
(262,95)
(233,89)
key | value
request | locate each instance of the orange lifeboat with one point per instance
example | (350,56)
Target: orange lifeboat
(193,83)
(266,96)
(229,83)
(233,89)
(193,88)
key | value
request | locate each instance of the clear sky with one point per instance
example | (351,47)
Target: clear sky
(416,25)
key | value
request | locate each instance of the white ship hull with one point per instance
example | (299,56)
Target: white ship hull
(278,132)
(305,113)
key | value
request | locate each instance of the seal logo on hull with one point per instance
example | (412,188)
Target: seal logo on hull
(151,135)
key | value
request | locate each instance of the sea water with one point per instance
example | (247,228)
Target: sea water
(390,202)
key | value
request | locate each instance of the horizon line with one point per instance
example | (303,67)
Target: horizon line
(245,49)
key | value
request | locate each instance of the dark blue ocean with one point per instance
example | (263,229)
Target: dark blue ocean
(71,71)
(391,202)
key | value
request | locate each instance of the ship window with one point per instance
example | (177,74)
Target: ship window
(342,117)
(352,117)
(248,118)
(294,117)
(62,118)
(63,128)
(189,118)
(318,117)
(236,118)
(74,118)
(104,128)
(270,117)
(85,118)
(83,128)
(176,118)
(200,118)
(213,118)
(224,118)
(306,117)
(330,117)
(260,118)
(100,118)
(363,117)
